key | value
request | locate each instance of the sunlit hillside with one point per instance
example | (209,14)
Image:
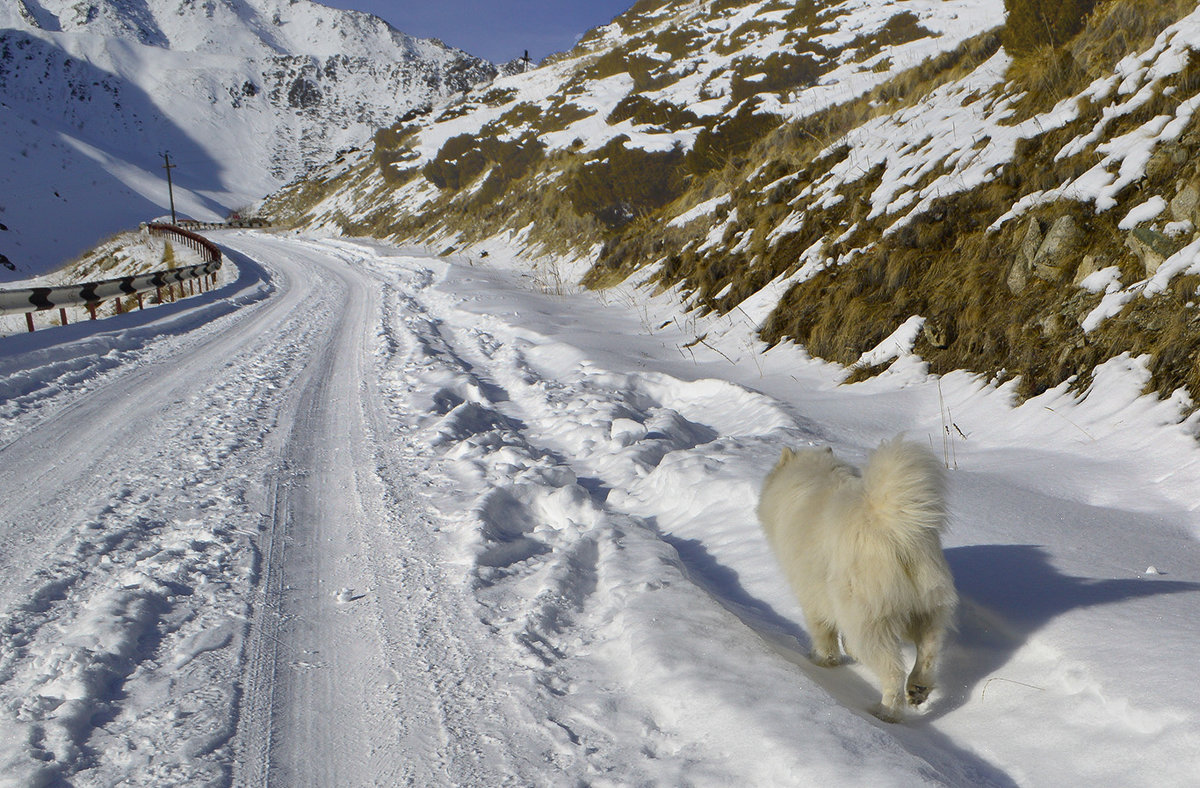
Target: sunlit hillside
(939,177)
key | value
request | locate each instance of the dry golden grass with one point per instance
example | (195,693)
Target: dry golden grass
(949,268)
(1048,73)
(900,29)
(1031,25)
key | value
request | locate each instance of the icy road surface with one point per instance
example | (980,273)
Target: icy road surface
(366,517)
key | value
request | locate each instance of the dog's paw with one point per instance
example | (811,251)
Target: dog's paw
(887,714)
(918,693)
(825,660)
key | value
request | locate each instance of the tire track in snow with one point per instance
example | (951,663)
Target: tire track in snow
(380,674)
(292,727)
(320,660)
(260,654)
(126,644)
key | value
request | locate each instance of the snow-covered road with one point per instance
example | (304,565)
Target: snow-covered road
(371,517)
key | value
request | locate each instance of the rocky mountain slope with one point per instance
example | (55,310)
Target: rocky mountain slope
(245,95)
(889,177)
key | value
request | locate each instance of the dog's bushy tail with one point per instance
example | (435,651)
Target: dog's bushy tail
(905,491)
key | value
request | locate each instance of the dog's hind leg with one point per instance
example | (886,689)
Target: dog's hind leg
(878,648)
(825,650)
(928,631)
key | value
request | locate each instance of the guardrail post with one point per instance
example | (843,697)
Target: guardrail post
(140,304)
(62,315)
(29,321)
(92,309)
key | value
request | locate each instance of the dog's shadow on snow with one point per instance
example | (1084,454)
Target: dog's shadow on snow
(788,637)
(725,586)
(1007,593)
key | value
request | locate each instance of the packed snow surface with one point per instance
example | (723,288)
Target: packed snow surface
(367,516)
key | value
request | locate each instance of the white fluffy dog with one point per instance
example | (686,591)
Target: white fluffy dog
(864,555)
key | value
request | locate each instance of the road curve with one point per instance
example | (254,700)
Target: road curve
(217,565)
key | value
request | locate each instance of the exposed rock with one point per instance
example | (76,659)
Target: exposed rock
(1183,207)
(1047,256)
(27,14)
(935,334)
(1087,267)
(1054,256)
(1018,274)
(1165,160)
(303,94)
(1032,241)
(1151,247)
(1050,325)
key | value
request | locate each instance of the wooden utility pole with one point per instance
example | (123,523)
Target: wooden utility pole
(170,189)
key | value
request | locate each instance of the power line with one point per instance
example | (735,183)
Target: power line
(170,189)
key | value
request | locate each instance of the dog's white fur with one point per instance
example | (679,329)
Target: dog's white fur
(864,555)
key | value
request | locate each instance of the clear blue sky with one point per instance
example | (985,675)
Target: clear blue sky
(498,30)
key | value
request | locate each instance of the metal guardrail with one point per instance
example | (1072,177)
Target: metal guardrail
(207,249)
(92,294)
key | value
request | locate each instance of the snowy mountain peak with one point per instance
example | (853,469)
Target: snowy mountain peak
(220,26)
(245,94)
